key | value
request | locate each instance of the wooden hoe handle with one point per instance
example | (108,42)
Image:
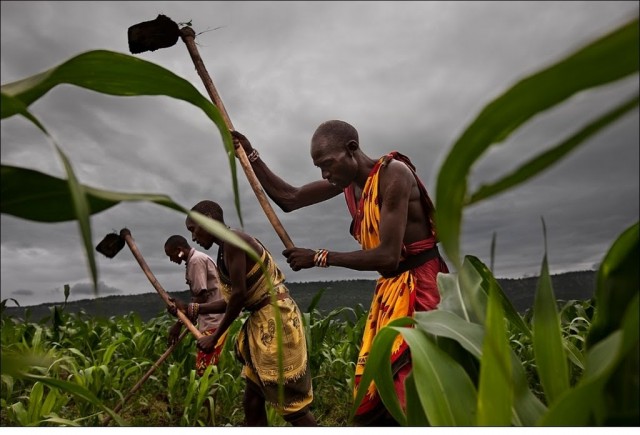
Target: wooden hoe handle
(126,235)
(188,36)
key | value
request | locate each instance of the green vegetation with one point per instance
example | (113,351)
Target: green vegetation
(68,368)
(81,364)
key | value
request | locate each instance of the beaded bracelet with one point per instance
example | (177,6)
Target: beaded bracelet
(192,311)
(320,258)
(253,155)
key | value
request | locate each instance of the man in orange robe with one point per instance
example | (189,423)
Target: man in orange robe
(393,222)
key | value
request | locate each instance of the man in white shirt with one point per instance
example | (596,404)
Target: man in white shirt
(201,275)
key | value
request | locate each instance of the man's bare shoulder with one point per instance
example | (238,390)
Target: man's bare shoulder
(247,238)
(395,171)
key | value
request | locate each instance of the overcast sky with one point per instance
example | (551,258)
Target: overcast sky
(409,76)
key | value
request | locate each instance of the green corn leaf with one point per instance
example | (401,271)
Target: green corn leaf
(465,294)
(306,321)
(49,402)
(314,302)
(548,347)
(7,385)
(35,402)
(61,421)
(378,369)
(452,297)
(17,107)
(132,371)
(36,341)
(445,324)
(82,213)
(583,405)
(117,74)
(78,199)
(80,71)
(444,388)
(495,390)
(220,230)
(77,391)
(415,412)
(104,377)
(527,408)
(67,290)
(472,292)
(191,390)
(488,281)
(36,196)
(608,59)
(33,195)
(108,353)
(574,354)
(20,413)
(13,363)
(547,159)
(616,284)
(81,356)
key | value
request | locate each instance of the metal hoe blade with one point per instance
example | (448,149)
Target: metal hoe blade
(151,35)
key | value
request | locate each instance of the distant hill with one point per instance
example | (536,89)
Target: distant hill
(349,293)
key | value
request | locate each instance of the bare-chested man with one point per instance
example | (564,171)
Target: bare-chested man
(244,286)
(393,222)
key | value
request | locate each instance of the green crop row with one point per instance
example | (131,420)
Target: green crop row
(71,376)
(74,369)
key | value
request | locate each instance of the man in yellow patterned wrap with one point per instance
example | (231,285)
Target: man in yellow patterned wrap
(244,286)
(393,222)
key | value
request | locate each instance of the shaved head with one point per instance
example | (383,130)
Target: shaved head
(334,133)
(211,209)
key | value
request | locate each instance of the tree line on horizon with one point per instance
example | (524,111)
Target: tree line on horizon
(577,285)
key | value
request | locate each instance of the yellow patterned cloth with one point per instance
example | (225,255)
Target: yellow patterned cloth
(256,345)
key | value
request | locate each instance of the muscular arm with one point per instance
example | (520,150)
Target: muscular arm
(289,197)
(215,307)
(395,190)
(286,196)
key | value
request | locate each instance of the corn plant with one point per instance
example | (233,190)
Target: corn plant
(174,396)
(40,405)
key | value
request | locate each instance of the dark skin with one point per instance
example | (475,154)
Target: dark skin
(176,255)
(238,264)
(402,218)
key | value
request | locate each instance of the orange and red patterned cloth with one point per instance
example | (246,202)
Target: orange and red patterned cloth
(203,359)
(395,296)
